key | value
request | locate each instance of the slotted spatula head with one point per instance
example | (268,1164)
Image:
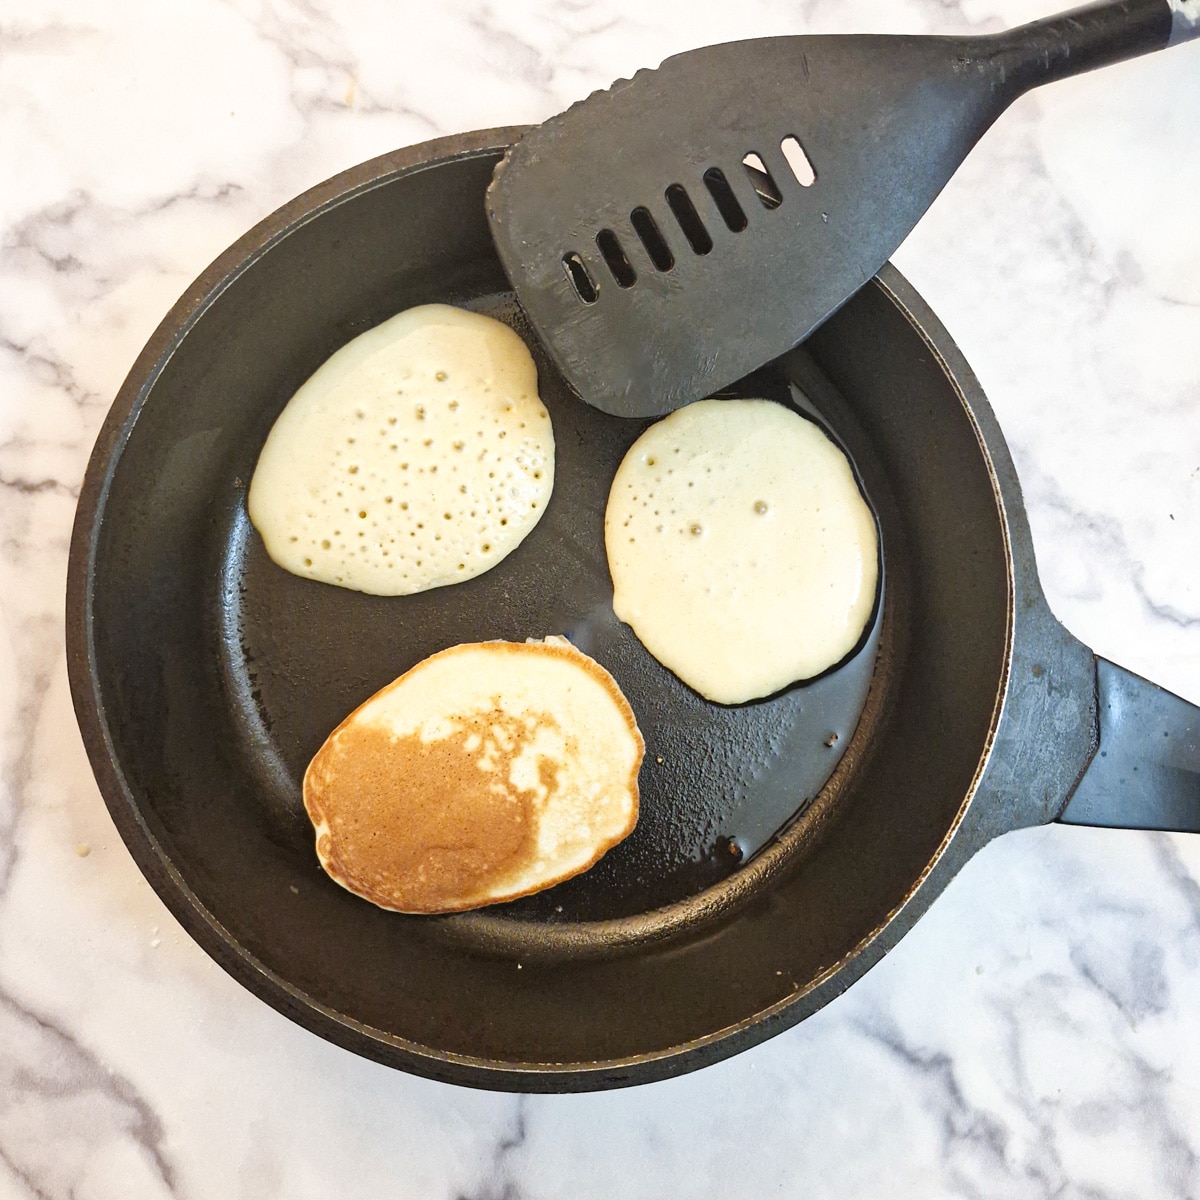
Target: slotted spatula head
(675,232)
(671,234)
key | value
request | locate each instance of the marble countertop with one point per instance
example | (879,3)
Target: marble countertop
(1036,1035)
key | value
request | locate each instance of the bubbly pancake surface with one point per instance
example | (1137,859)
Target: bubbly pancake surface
(488,771)
(417,456)
(742,552)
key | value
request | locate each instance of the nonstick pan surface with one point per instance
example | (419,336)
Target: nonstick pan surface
(205,677)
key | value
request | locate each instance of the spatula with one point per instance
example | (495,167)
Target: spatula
(686,226)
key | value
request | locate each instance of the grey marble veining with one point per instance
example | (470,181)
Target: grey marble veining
(1036,1035)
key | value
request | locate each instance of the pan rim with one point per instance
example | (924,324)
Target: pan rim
(168,882)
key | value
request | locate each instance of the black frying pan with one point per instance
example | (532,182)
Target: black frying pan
(204,678)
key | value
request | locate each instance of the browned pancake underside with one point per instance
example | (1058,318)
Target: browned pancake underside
(419,825)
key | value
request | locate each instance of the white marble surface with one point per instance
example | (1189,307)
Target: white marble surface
(1038,1033)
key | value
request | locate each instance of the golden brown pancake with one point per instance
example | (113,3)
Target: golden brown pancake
(488,771)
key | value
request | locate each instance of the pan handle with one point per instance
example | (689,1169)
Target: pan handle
(1145,773)
(1089,37)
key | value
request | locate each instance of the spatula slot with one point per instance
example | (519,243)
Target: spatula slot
(798,160)
(763,181)
(620,266)
(647,229)
(727,203)
(688,218)
(580,277)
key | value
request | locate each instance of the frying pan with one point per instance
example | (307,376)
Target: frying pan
(204,678)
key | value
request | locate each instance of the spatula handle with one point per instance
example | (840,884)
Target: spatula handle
(1093,36)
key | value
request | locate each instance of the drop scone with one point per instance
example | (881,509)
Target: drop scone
(416,456)
(488,771)
(741,551)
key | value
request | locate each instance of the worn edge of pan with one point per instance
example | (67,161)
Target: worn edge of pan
(144,847)
(202,925)
(1032,632)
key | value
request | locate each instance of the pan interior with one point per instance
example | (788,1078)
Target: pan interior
(296,656)
(217,675)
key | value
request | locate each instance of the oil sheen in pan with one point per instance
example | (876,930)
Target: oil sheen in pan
(717,783)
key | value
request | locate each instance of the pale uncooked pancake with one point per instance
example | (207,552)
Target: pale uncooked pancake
(488,771)
(416,456)
(741,550)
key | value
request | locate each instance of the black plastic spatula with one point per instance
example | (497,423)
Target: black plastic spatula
(675,232)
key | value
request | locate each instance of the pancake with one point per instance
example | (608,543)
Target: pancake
(742,552)
(488,771)
(417,456)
